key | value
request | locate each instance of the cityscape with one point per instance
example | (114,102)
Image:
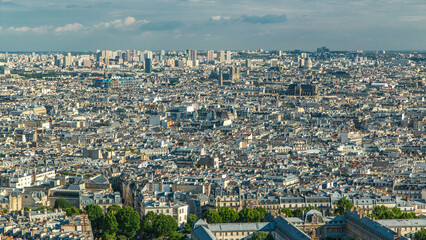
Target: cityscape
(213,120)
(227,144)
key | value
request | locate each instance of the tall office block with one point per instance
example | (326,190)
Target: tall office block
(148,65)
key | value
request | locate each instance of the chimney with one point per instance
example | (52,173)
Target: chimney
(314,235)
(399,234)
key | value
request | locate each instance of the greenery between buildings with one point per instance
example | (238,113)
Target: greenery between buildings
(382,212)
(228,215)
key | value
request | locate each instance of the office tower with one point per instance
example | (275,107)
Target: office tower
(68,60)
(220,77)
(162,55)
(192,56)
(222,56)
(58,61)
(228,56)
(148,54)
(302,62)
(148,65)
(248,63)
(235,73)
(210,56)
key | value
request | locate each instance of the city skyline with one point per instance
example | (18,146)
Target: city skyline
(201,24)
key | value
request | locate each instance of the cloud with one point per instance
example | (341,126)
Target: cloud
(42,29)
(8,3)
(161,26)
(413,19)
(72,27)
(266,19)
(19,29)
(25,29)
(121,24)
(219,18)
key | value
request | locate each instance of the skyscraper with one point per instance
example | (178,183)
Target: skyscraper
(148,65)
(222,56)
(210,56)
(192,56)
(228,56)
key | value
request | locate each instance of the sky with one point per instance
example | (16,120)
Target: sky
(87,25)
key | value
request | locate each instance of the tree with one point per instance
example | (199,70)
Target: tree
(343,205)
(261,211)
(382,212)
(121,237)
(62,203)
(72,210)
(128,221)
(420,235)
(177,236)
(95,215)
(262,236)
(212,216)
(114,208)
(298,212)
(249,215)
(228,215)
(191,219)
(164,225)
(147,223)
(288,212)
(109,225)
(26,209)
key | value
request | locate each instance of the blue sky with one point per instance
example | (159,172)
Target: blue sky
(72,25)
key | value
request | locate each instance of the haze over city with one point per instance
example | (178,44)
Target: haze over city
(50,25)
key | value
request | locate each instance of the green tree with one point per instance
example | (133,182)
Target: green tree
(228,215)
(72,210)
(114,208)
(343,205)
(420,235)
(109,225)
(382,212)
(298,212)
(249,215)
(261,211)
(288,212)
(177,236)
(262,236)
(147,223)
(164,225)
(191,219)
(107,236)
(26,209)
(212,216)
(121,237)
(62,203)
(95,215)
(128,221)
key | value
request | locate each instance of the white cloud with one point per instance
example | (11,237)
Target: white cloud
(19,29)
(42,29)
(73,27)
(219,18)
(413,19)
(129,21)
(123,24)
